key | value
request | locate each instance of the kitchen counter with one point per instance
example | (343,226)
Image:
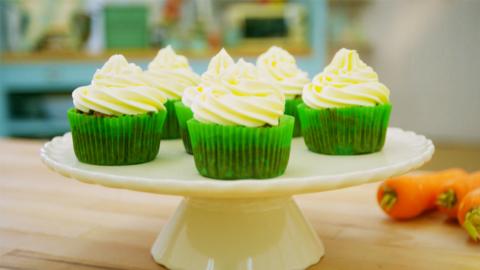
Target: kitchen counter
(50,222)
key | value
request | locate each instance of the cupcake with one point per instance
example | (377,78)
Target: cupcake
(118,118)
(346,109)
(238,128)
(170,74)
(217,65)
(279,66)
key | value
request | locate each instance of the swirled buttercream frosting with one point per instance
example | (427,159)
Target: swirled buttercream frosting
(217,65)
(240,97)
(280,67)
(118,88)
(346,81)
(171,74)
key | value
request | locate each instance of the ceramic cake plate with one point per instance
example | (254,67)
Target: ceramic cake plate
(242,224)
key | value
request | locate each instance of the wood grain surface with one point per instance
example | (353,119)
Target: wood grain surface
(50,222)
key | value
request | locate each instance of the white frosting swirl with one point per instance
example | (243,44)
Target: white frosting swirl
(346,81)
(191,93)
(240,97)
(218,64)
(279,66)
(170,73)
(118,88)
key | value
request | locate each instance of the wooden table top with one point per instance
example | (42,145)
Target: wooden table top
(50,222)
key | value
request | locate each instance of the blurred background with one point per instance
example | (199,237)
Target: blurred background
(426,52)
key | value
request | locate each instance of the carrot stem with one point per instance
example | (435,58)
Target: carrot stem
(447,199)
(389,199)
(472,223)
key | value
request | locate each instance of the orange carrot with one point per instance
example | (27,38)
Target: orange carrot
(403,197)
(454,190)
(435,182)
(469,213)
(408,196)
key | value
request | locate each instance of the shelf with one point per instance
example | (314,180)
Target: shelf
(349,2)
(37,127)
(67,70)
(143,54)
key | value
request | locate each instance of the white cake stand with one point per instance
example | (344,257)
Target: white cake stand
(245,224)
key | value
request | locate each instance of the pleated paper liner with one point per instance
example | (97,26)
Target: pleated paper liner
(170,128)
(116,140)
(291,109)
(345,131)
(184,114)
(237,152)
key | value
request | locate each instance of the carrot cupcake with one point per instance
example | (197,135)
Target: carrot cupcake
(118,118)
(346,110)
(238,129)
(171,74)
(220,62)
(279,66)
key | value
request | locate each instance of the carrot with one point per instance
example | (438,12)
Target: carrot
(435,181)
(408,196)
(453,192)
(469,213)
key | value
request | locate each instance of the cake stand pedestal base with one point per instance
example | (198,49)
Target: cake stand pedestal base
(217,234)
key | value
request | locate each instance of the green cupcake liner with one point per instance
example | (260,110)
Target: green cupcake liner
(345,131)
(117,140)
(237,152)
(170,128)
(291,109)
(184,114)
